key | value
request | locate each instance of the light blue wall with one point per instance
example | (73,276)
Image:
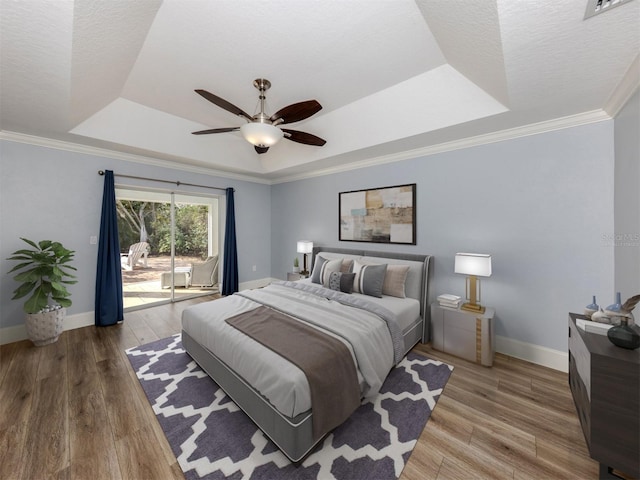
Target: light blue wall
(539,204)
(627,198)
(55,194)
(542,205)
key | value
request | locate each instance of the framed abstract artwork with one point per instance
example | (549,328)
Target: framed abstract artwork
(378,215)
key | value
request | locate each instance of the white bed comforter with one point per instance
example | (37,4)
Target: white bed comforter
(282,383)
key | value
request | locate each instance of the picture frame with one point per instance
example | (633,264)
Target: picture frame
(378,215)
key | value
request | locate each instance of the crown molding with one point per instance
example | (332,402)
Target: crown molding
(585,118)
(128,157)
(625,89)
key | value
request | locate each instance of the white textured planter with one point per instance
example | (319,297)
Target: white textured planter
(45,328)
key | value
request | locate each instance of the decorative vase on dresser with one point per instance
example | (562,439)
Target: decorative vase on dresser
(605,384)
(624,335)
(615,307)
(592,308)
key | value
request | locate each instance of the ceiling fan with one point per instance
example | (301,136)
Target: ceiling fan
(263,131)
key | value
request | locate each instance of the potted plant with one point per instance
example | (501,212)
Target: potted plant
(296,265)
(44,271)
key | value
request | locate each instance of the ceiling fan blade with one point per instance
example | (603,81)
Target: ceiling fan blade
(216,130)
(296,112)
(261,149)
(222,103)
(303,137)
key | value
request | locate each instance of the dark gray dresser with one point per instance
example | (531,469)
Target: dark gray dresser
(605,383)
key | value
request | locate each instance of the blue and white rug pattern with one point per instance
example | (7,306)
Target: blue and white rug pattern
(213,439)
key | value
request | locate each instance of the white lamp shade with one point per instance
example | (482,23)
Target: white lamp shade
(473,264)
(305,246)
(261,134)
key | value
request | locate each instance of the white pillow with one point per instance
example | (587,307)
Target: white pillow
(347,265)
(327,269)
(323,268)
(394,280)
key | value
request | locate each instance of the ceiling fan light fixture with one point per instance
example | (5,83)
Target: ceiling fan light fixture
(261,134)
(263,131)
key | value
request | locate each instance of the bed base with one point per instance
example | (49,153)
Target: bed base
(294,436)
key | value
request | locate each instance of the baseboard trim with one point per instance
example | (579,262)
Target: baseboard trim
(12,334)
(547,357)
(537,354)
(17,333)
(80,320)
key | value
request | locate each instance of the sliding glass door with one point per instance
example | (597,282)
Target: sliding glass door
(169,245)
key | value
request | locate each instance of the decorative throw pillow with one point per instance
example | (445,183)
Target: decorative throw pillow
(369,278)
(317,268)
(342,282)
(394,280)
(347,265)
(323,268)
(328,268)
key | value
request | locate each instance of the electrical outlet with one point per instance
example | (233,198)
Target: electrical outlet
(93,240)
(254,268)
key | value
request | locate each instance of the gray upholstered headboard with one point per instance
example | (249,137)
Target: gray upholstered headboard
(419,292)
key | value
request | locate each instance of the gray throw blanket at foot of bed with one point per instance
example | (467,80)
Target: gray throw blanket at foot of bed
(326,362)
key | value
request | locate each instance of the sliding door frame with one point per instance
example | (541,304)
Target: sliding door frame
(216,215)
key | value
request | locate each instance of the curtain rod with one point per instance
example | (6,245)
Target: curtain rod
(177,182)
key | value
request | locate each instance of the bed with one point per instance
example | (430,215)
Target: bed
(381,329)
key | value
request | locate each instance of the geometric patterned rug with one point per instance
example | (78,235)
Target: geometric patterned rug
(213,439)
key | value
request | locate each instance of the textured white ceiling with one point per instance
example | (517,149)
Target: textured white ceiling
(392,75)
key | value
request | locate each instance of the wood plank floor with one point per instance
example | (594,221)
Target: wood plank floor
(74,409)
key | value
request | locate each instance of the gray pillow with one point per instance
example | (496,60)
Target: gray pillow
(317,269)
(369,279)
(342,282)
(323,268)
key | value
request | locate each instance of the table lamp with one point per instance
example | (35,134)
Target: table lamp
(305,247)
(474,265)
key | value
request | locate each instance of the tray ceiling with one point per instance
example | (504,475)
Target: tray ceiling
(392,75)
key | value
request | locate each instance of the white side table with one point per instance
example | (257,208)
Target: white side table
(294,277)
(464,334)
(181,278)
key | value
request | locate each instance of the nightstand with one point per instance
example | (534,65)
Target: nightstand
(464,334)
(294,277)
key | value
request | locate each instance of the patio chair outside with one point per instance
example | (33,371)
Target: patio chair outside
(205,274)
(137,254)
